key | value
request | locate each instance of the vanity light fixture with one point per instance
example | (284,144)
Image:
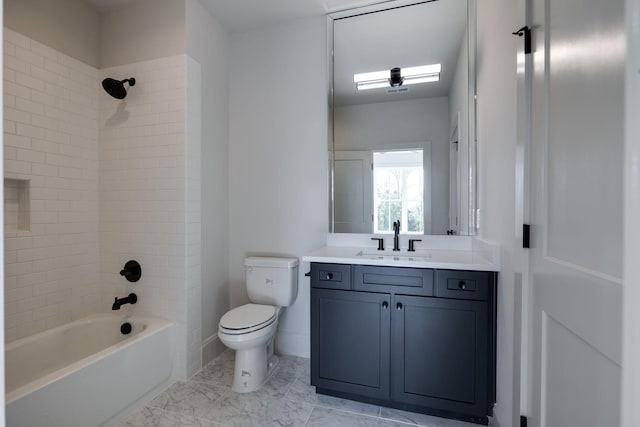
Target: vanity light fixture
(398,76)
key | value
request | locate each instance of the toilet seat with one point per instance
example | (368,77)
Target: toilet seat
(247,318)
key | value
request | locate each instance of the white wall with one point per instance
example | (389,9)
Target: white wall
(51,140)
(209,44)
(403,124)
(496,116)
(142,30)
(278,158)
(69,26)
(146,211)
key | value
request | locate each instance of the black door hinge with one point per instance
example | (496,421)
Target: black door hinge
(526,236)
(526,32)
(523,421)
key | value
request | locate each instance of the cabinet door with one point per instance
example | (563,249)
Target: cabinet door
(350,342)
(439,353)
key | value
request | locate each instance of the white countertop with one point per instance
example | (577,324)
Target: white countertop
(430,258)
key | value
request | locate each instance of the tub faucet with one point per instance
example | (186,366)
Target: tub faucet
(396,231)
(131,299)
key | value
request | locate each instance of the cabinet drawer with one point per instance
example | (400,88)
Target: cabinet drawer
(414,281)
(331,276)
(473,285)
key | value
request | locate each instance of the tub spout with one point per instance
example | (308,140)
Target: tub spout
(131,299)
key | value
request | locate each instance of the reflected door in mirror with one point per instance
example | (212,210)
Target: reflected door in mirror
(353,195)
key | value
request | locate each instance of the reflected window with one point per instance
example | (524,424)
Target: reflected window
(398,183)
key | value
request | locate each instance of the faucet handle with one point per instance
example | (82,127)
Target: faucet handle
(380,243)
(411,244)
(131,271)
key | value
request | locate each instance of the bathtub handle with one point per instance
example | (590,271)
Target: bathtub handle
(131,271)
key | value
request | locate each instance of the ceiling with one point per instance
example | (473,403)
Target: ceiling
(242,15)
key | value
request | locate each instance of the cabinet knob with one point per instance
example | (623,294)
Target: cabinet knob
(399,306)
(385,304)
(462,285)
(329,276)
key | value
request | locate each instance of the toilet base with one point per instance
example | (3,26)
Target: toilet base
(252,369)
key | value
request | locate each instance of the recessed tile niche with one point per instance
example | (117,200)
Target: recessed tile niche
(16,205)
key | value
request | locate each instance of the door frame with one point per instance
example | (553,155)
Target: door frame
(631,275)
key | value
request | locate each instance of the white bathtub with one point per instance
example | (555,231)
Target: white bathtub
(84,373)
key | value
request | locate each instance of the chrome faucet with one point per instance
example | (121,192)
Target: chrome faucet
(396,231)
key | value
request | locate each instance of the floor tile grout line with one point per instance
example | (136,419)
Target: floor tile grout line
(289,388)
(313,408)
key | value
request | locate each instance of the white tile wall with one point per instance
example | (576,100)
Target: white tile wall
(193,219)
(110,181)
(149,172)
(51,139)
(142,169)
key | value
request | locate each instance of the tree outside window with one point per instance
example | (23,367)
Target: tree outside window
(398,187)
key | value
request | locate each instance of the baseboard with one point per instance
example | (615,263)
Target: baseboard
(211,347)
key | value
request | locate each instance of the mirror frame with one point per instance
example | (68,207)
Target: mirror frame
(472,223)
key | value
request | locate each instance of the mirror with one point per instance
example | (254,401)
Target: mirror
(402,119)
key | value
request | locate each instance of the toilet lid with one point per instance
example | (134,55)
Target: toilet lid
(248,316)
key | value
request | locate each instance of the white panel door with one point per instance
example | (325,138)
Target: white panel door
(577,205)
(353,192)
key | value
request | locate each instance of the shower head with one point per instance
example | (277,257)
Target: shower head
(116,88)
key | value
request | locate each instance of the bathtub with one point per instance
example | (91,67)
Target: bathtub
(85,373)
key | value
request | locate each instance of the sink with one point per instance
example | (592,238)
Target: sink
(400,256)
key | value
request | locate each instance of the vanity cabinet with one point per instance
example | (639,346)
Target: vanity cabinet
(416,339)
(352,334)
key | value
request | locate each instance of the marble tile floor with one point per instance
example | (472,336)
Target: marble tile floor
(288,399)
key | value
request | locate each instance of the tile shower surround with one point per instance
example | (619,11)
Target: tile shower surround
(109,181)
(287,399)
(51,140)
(149,164)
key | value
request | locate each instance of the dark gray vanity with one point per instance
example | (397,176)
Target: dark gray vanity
(417,339)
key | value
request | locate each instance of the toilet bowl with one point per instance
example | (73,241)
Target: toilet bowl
(272,284)
(250,330)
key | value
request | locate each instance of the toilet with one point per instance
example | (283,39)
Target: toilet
(272,284)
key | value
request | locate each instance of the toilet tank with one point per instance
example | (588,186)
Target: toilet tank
(272,280)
